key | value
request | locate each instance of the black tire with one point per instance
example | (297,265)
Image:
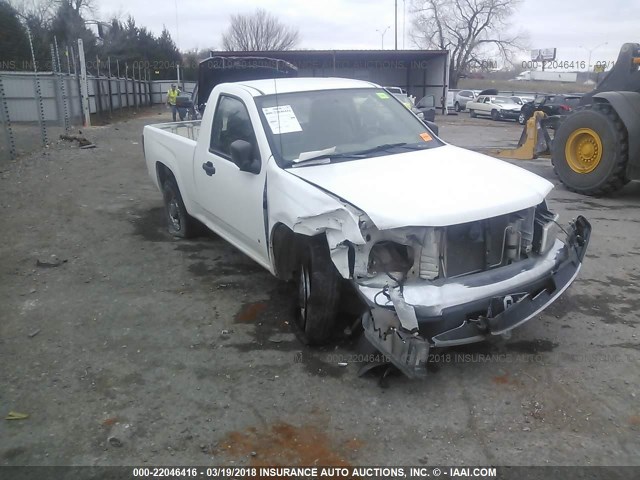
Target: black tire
(522,118)
(457,107)
(179,223)
(495,116)
(472,114)
(318,284)
(610,173)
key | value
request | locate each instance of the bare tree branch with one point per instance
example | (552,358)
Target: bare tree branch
(259,31)
(476,32)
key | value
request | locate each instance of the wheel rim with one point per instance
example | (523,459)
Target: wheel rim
(521,118)
(304,291)
(174,215)
(583,150)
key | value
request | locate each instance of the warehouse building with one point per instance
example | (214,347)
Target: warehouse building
(419,72)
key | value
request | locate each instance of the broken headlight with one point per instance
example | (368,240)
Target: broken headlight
(390,257)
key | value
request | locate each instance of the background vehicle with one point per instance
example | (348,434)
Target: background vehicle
(186,106)
(462,97)
(427,105)
(547,76)
(551,104)
(596,149)
(216,69)
(497,107)
(396,90)
(329,175)
(521,100)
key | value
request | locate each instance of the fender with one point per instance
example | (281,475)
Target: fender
(627,106)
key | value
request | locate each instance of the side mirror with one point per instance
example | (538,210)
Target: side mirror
(242,156)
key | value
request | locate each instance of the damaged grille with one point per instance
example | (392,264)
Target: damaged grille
(432,253)
(481,245)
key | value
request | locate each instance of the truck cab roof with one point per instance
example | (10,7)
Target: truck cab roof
(301,84)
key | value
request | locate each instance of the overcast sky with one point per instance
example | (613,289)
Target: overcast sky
(573,27)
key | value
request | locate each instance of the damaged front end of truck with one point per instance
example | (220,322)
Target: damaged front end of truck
(431,287)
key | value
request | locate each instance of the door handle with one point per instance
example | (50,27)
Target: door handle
(208,168)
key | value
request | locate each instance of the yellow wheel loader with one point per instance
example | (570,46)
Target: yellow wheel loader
(596,149)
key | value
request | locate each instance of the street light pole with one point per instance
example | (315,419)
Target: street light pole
(382,35)
(591,50)
(396,23)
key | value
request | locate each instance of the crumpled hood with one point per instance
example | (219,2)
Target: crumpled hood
(437,187)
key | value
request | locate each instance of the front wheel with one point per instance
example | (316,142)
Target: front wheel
(318,291)
(522,119)
(590,151)
(457,107)
(495,116)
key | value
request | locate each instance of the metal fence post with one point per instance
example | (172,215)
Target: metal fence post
(109,87)
(63,89)
(6,121)
(83,85)
(38,94)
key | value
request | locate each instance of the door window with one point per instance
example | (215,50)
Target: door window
(231,122)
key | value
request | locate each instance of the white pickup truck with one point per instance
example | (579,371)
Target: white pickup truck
(334,184)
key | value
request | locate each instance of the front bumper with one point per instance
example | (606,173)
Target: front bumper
(404,323)
(511,114)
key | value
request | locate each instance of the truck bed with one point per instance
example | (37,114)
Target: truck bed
(189,129)
(173,145)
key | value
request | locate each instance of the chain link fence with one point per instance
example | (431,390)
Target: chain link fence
(36,107)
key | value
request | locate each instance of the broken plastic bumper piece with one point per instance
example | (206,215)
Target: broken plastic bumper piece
(404,323)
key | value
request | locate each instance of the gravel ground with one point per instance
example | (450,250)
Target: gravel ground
(125,346)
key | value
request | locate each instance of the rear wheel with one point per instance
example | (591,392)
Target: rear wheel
(590,151)
(179,222)
(472,114)
(457,106)
(318,291)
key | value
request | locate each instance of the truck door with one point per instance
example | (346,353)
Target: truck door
(232,199)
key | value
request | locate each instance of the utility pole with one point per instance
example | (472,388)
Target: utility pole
(395,11)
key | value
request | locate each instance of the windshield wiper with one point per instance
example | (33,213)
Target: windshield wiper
(326,154)
(329,154)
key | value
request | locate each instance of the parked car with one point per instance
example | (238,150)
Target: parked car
(323,181)
(551,104)
(462,97)
(521,100)
(427,106)
(396,90)
(497,107)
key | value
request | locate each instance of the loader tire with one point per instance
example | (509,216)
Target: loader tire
(591,150)
(318,291)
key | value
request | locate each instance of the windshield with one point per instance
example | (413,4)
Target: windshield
(502,100)
(334,124)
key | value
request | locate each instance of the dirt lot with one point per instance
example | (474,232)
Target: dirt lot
(138,348)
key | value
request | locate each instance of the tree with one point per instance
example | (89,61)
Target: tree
(474,31)
(14,43)
(259,31)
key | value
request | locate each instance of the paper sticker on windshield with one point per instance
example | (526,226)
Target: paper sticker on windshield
(426,137)
(281,119)
(382,95)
